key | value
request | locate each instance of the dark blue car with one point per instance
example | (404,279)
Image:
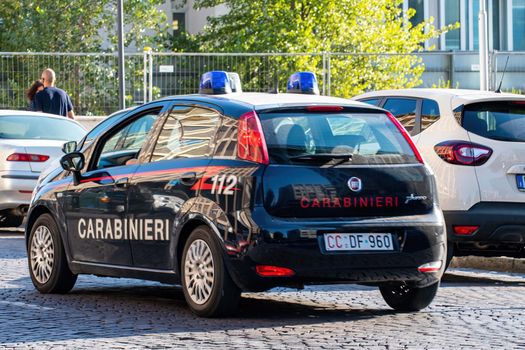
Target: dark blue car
(225,192)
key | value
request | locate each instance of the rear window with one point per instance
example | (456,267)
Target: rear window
(367,138)
(497,120)
(39,128)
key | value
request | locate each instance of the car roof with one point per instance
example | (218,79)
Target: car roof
(16,113)
(237,103)
(455,96)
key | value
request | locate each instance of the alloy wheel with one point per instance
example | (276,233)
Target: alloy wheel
(199,275)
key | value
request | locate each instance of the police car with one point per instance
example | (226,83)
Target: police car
(224,192)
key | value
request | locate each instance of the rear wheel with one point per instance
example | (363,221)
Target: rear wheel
(404,298)
(207,285)
(48,266)
(7,219)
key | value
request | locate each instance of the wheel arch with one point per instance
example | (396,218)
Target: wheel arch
(35,213)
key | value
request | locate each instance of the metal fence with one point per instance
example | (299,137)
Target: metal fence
(91,78)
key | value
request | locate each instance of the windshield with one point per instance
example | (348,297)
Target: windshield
(497,120)
(39,128)
(356,138)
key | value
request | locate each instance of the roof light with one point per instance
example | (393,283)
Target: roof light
(215,83)
(235,82)
(273,271)
(303,83)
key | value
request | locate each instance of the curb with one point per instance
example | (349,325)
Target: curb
(493,264)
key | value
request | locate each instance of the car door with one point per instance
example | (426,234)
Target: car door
(96,208)
(161,187)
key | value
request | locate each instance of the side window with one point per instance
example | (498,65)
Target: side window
(404,109)
(429,113)
(126,143)
(372,101)
(187,132)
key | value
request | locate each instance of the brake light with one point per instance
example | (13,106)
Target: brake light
(274,271)
(324,108)
(26,157)
(465,230)
(463,152)
(407,137)
(251,144)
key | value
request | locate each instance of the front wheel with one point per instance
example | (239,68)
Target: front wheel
(206,283)
(406,299)
(48,266)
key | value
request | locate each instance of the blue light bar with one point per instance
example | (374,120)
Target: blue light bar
(215,83)
(303,83)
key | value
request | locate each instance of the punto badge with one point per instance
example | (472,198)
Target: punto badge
(354,183)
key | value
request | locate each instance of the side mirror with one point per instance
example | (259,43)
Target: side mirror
(73,161)
(69,147)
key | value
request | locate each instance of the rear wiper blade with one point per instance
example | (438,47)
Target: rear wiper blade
(318,156)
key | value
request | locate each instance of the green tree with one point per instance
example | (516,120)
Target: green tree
(76,26)
(352,27)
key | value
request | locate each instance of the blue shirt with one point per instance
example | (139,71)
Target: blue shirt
(53,100)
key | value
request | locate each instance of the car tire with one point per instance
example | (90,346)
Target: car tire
(9,220)
(206,283)
(48,265)
(408,299)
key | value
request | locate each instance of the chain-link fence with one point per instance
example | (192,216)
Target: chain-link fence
(92,82)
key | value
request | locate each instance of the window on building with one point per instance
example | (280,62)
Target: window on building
(473,17)
(452,15)
(419,6)
(404,109)
(518,24)
(179,22)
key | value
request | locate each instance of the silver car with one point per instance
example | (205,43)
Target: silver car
(28,143)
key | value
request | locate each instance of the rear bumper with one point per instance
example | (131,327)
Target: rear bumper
(16,188)
(501,229)
(300,246)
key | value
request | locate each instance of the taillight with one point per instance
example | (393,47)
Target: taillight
(465,230)
(407,137)
(463,152)
(26,157)
(433,266)
(251,144)
(274,271)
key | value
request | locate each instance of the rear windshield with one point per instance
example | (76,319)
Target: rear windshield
(497,120)
(367,138)
(41,128)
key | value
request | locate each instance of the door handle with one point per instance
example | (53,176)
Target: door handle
(188,179)
(122,182)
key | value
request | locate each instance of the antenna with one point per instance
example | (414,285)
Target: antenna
(498,90)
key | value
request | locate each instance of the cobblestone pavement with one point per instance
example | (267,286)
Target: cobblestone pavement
(469,312)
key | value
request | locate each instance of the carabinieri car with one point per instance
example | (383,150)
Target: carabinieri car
(224,192)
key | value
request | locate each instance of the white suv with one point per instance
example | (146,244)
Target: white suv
(475,142)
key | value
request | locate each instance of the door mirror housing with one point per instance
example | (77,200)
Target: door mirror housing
(73,161)
(69,147)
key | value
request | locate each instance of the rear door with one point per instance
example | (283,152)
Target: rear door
(341,165)
(169,178)
(500,126)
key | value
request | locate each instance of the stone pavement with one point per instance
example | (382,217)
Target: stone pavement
(470,311)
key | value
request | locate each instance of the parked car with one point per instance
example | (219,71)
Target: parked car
(227,192)
(475,143)
(28,143)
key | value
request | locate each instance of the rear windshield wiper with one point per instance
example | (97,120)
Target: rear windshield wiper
(322,156)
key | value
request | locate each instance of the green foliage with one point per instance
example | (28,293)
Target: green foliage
(75,26)
(352,27)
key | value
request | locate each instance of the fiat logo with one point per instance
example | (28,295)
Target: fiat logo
(355,184)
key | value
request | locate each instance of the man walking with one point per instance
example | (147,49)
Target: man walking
(52,99)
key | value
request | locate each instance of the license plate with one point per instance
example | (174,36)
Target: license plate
(358,241)
(520,180)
